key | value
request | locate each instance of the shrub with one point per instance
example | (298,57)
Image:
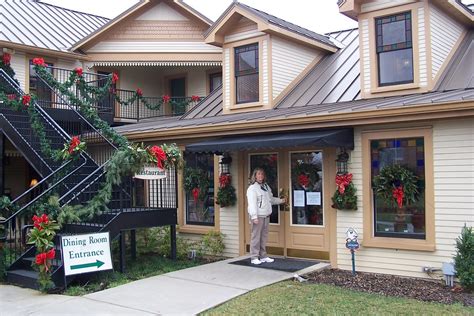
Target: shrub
(213,243)
(464,259)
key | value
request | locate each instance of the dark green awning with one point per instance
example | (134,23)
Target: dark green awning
(321,138)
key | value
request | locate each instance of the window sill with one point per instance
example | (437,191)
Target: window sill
(399,243)
(398,87)
(240,106)
(194,229)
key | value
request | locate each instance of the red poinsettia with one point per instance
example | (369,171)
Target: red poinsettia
(303,180)
(166,98)
(78,71)
(195,98)
(6,58)
(42,258)
(26,99)
(39,62)
(159,154)
(195,193)
(398,194)
(75,141)
(342,181)
(38,221)
(224,180)
(139,92)
(115,78)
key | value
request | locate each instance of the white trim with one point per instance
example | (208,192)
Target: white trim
(156,63)
(153,47)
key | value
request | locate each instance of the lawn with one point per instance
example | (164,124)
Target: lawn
(292,298)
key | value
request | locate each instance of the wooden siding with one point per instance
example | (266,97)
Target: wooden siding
(163,12)
(226,74)
(454,183)
(19,64)
(445,32)
(158,30)
(265,83)
(422,48)
(243,25)
(153,47)
(243,36)
(197,82)
(382,4)
(288,61)
(365,58)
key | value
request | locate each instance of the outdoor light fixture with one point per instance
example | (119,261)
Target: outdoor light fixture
(341,162)
(224,164)
(33,182)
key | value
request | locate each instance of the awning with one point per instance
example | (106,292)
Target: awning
(322,138)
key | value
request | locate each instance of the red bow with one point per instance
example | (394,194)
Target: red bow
(79,71)
(139,92)
(398,194)
(115,78)
(6,59)
(303,180)
(195,98)
(166,98)
(41,259)
(26,99)
(224,180)
(75,141)
(39,61)
(195,193)
(342,181)
(159,154)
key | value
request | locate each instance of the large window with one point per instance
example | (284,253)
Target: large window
(394,49)
(391,221)
(246,73)
(200,206)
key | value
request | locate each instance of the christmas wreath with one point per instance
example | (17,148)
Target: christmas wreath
(306,174)
(396,185)
(196,182)
(345,196)
(226,195)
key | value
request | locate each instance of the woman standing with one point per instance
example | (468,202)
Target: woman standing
(260,200)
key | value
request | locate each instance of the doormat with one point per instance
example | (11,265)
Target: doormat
(281,264)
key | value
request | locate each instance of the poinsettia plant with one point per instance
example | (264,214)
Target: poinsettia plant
(42,236)
(73,148)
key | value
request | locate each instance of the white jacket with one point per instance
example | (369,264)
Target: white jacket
(260,201)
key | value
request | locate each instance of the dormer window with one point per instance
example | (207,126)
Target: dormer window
(394,49)
(246,73)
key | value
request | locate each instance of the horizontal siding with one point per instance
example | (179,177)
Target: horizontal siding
(265,84)
(153,47)
(288,61)
(422,48)
(243,36)
(226,75)
(445,32)
(365,50)
(382,4)
(453,190)
(197,82)
(19,64)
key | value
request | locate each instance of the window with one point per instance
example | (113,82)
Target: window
(200,208)
(408,221)
(394,49)
(215,81)
(246,73)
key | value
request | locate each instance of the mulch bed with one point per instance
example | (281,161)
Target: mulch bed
(389,285)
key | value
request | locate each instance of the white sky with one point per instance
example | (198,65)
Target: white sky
(320,16)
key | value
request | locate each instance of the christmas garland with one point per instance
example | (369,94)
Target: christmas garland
(396,185)
(226,195)
(196,183)
(345,196)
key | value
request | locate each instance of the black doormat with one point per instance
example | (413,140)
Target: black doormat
(282,264)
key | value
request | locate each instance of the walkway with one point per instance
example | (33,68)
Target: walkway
(184,292)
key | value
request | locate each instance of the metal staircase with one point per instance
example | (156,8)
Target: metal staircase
(75,182)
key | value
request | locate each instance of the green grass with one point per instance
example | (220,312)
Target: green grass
(290,298)
(142,267)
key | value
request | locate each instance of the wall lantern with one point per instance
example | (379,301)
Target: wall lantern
(224,164)
(341,162)
(33,182)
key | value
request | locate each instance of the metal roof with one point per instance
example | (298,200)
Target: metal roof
(34,23)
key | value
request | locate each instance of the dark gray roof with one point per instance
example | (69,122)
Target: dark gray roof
(39,24)
(275,21)
(210,106)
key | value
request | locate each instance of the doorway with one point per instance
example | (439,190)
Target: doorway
(177,88)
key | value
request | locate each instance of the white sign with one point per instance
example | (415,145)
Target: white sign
(86,253)
(151,172)
(313,198)
(298,198)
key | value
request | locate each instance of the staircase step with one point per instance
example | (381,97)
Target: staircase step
(26,278)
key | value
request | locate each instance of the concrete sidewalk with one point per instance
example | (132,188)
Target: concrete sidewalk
(184,292)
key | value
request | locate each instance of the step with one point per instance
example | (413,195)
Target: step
(26,278)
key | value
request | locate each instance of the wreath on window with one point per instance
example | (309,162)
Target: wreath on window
(345,196)
(196,183)
(306,174)
(226,195)
(396,185)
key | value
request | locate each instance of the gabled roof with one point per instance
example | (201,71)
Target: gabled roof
(38,24)
(132,10)
(270,24)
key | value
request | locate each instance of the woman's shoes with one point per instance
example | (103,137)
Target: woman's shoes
(255,261)
(267,259)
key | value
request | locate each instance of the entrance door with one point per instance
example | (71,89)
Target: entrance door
(302,229)
(178,93)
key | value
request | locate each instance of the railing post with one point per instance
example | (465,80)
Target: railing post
(138,109)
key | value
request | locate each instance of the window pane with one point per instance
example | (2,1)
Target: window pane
(269,163)
(201,212)
(408,221)
(247,88)
(393,33)
(307,188)
(247,61)
(396,67)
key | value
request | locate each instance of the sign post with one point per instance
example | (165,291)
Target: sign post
(86,253)
(352,244)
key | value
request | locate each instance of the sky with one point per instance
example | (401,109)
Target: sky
(320,16)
